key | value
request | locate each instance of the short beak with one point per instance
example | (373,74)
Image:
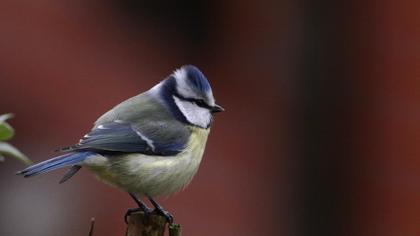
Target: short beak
(216,108)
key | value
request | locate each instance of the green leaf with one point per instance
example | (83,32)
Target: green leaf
(5,117)
(6,131)
(8,150)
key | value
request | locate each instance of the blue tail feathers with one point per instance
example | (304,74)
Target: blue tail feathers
(68,159)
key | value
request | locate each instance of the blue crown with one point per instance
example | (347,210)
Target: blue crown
(196,78)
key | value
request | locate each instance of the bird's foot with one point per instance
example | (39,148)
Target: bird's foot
(130,211)
(168,216)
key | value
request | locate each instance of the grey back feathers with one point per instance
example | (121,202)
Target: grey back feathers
(140,124)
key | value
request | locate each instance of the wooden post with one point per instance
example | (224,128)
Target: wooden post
(153,225)
(92,226)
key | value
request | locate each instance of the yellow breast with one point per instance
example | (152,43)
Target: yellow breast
(155,175)
(198,140)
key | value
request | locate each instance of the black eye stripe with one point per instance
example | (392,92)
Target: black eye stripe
(199,102)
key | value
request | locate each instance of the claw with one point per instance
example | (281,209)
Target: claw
(168,216)
(142,207)
(159,210)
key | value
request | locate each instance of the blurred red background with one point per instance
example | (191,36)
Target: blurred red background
(320,136)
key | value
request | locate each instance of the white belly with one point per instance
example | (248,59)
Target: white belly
(151,175)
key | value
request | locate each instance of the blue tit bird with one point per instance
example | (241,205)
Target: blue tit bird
(149,145)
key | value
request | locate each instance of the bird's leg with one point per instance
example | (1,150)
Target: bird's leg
(142,207)
(161,211)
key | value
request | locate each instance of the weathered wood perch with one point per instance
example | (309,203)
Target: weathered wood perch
(153,225)
(92,226)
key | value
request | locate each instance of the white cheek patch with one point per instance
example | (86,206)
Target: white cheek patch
(194,114)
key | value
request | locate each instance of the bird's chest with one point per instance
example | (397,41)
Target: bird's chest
(162,175)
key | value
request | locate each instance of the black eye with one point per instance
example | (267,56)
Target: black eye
(200,102)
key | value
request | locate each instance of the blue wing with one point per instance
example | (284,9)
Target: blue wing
(153,138)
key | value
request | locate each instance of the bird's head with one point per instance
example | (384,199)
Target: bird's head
(188,93)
